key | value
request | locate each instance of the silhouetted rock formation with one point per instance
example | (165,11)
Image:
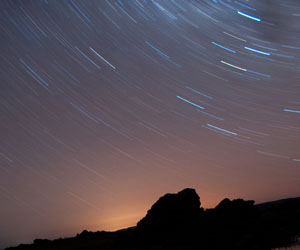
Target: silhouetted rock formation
(176,221)
(172,211)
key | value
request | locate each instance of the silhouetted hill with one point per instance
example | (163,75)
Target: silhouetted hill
(172,211)
(176,221)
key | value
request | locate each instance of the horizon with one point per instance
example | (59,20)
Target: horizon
(107,105)
(94,228)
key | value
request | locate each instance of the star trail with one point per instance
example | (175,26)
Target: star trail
(107,105)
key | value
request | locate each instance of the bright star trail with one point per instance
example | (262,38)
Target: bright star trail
(106,105)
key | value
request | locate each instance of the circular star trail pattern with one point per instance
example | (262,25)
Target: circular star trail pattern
(106,105)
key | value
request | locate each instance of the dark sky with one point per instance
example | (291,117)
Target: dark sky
(107,105)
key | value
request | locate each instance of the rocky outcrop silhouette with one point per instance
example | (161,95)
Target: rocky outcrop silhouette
(176,221)
(172,211)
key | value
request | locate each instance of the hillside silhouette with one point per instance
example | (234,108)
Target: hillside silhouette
(177,221)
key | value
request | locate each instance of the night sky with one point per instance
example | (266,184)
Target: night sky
(107,105)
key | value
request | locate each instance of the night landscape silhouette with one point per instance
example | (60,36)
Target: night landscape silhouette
(177,221)
(107,105)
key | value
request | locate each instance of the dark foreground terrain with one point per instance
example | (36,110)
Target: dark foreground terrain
(176,221)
